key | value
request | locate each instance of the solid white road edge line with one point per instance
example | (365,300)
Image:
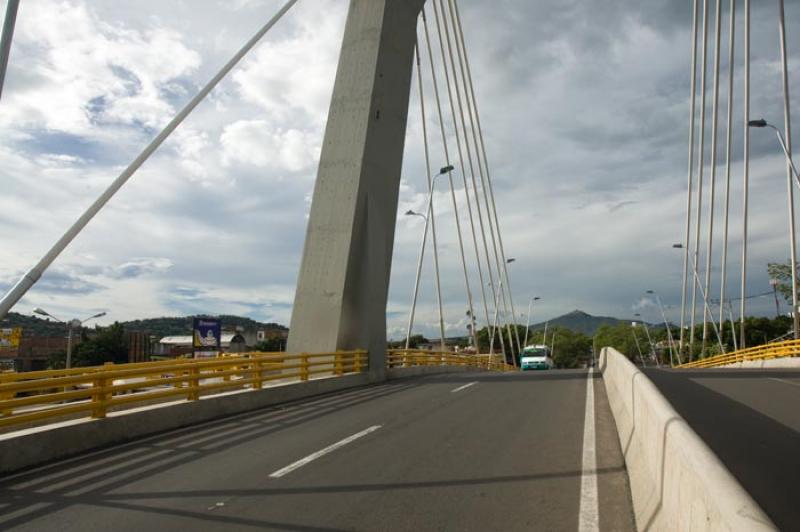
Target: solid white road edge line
(465,386)
(311,457)
(589,516)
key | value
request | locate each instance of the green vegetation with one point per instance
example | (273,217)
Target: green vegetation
(572,348)
(179,326)
(104,344)
(783,273)
(623,337)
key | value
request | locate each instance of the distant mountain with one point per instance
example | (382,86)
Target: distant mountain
(33,326)
(579,321)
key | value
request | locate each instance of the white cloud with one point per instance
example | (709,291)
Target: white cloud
(81,73)
(258,143)
(584,107)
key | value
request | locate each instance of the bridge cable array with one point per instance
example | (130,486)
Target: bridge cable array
(458,80)
(697,120)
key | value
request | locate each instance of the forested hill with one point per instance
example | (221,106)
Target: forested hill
(578,321)
(172,326)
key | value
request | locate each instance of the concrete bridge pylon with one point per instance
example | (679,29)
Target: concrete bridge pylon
(343,285)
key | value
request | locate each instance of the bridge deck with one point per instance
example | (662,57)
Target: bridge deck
(751,420)
(504,453)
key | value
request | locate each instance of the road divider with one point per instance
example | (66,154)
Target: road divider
(322,452)
(677,482)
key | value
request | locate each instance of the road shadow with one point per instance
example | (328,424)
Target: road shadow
(760,452)
(28,495)
(137,501)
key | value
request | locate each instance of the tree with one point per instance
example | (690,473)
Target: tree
(107,344)
(782,272)
(270,345)
(621,337)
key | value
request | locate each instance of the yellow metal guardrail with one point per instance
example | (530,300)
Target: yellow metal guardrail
(402,358)
(789,348)
(35,397)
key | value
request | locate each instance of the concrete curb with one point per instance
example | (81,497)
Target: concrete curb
(677,482)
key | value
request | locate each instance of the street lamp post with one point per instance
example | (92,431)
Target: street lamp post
(528,323)
(653,352)
(428,220)
(71,325)
(636,341)
(666,324)
(791,169)
(706,312)
(774,284)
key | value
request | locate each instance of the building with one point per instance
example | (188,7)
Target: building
(175,346)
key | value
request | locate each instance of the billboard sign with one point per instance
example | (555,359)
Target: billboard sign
(9,338)
(207,333)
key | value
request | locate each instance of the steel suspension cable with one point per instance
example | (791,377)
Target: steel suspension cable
(728,139)
(746,170)
(488,173)
(690,175)
(449,173)
(712,176)
(456,37)
(463,166)
(700,169)
(787,134)
(429,220)
(33,275)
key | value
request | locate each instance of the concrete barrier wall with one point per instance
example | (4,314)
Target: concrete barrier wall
(677,482)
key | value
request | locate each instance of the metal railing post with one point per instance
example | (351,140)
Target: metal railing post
(304,367)
(99,396)
(194,383)
(337,363)
(257,373)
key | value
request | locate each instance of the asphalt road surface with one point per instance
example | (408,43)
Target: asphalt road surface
(469,451)
(751,420)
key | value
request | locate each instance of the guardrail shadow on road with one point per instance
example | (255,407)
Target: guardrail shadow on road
(43,490)
(128,501)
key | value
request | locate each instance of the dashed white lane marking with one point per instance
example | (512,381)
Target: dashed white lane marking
(784,381)
(465,386)
(322,452)
(589,516)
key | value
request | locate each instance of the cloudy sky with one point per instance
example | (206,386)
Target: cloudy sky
(584,106)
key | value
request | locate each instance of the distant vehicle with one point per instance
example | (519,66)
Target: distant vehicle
(536,357)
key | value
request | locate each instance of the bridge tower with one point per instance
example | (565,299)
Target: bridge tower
(343,284)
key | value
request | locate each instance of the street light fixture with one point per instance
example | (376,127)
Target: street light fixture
(763,123)
(71,325)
